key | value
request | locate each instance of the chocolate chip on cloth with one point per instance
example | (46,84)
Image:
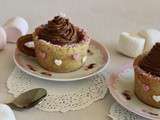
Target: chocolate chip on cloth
(151,62)
(58,31)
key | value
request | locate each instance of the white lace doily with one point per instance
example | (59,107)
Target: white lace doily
(62,96)
(117,112)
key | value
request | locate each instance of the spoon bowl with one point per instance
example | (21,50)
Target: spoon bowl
(28,99)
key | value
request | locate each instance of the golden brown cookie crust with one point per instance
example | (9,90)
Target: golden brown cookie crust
(60,53)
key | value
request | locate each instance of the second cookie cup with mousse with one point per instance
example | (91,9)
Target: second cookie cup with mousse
(147,85)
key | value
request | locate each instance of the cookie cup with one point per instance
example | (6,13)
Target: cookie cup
(147,86)
(57,58)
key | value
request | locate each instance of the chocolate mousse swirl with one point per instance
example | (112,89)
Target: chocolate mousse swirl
(151,62)
(58,31)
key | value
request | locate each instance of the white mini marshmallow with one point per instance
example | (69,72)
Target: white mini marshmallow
(15,27)
(6,113)
(152,36)
(3,38)
(130,45)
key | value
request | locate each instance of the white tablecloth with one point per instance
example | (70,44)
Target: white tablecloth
(105,19)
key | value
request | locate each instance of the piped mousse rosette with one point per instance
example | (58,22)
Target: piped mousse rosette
(60,46)
(147,77)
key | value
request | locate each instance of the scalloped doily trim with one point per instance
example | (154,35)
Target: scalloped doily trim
(62,96)
(117,112)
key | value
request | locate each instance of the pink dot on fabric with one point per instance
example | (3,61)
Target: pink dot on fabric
(76,56)
(146,87)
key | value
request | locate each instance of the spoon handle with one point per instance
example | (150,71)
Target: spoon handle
(13,106)
(9,104)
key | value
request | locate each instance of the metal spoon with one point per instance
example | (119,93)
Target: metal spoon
(28,99)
